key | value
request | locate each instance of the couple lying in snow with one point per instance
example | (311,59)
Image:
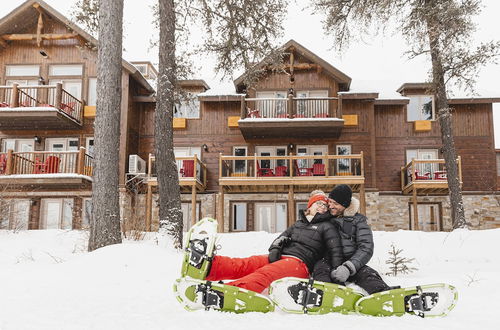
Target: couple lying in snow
(331,242)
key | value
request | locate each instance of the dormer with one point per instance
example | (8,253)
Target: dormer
(147,69)
(421,105)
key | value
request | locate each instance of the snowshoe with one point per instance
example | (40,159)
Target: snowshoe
(199,249)
(425,301)
(196,294)
(300,295)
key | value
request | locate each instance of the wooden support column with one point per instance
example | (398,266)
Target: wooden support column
(34,214)
(291,206)
(77,213)
(149,207)
(10,162)
(14,98)
(58,97)
(362,199)
(415,210)
(220,218)
(193,205)
(81,161)
(243,109)
(39,29)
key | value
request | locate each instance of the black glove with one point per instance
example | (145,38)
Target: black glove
(274,255)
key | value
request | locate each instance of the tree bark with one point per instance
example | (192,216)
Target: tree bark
(105,224)
(445,121)
(166,168)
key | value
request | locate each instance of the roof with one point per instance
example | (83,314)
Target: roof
(193,83)
(419,85)
(22,17)
(338,75)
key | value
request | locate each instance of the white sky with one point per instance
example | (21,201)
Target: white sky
(378,63)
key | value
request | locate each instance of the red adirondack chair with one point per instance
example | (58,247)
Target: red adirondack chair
(302,171)
(3,163)
(264,171)
(318,169)
(280,170)
(187,169)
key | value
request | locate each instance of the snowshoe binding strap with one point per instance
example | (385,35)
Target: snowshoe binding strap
(306,295)
(210,298)
(420,302)
(197,252)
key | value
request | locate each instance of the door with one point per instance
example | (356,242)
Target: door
(186,215)
(240,165)
(72,86)
(20,212)
(18,145)
(271,217)
(52,213)
(429,217)
(344,165)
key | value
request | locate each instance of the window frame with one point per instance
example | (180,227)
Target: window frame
(233,216)
(420,106)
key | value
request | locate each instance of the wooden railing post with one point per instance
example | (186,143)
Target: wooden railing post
(195,165)
(14,98)
(460,169)
(255,165)
(220,165)
(149,164)
(81,161)
(243,112)
(58,97)
(290,109)
(413,170)
(362,164)
(327,166)
(10,162)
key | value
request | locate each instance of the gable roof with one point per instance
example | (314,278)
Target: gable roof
(343,79)
(22,17)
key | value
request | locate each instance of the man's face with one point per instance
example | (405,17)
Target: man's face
(335,208)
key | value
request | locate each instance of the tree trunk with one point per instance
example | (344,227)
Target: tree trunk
(105,224)
(166,168)
(445,121)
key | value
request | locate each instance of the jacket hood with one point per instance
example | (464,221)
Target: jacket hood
(353,208)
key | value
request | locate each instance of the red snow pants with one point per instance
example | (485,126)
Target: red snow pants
(255,273)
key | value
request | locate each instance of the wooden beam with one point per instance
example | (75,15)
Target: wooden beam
(415,210)
(193,205)
(39,29)
(149,205)
(46,36)
(3,43)
(220,218)
(362,198)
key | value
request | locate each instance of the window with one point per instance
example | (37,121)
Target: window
(312,108)
(72,86)
(239,217)
(18,145)
(421,107)
(423,154)
(57,213)
(87,213)
(429,217)
(271,151)
(92,99)
(300,206)
(240,166)
(344,165)
(308,151)
(89,146)
(188,108)
(142,68)
(186,214)
(22,70)
(270,217)
(14,214)
(62,144)
(66,70)
(272,108)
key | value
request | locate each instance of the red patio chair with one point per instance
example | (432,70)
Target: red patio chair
(4,105)
(321,115)
(264,171)
(318,169)
(302,171)
(425,176)
(280,170)
(187,169)
(282,115)
(440,175)
(298,115)
(253,113)
(51,164)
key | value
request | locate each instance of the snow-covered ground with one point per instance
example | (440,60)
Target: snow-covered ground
(49,281)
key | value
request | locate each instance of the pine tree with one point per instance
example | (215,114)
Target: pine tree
(439,28)
(399,264)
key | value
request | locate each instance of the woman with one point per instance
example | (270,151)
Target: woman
(293,253)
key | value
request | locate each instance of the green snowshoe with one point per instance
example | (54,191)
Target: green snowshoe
(196,294)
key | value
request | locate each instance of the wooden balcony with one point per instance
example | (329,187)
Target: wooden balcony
(301,117)
(426,176)
(282,173)
(191,170)
(39,107)
(46,168)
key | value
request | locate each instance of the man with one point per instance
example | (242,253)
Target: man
(357,245)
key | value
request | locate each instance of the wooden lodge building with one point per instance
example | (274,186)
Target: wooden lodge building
(249,157)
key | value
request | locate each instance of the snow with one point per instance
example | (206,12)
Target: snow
(49,281)
(50,175)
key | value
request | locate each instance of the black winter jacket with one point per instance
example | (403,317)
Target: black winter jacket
(309,240)
(356,236)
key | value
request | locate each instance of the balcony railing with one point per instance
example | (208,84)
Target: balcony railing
(190,167)
(45,162)
(426,171)
(293,166)
(291,107)
(54,96)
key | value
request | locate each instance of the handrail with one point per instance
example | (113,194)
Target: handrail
(413,171)
(199,168)
(45,162)
(15,96)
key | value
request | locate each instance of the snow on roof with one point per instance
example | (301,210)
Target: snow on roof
(48,176)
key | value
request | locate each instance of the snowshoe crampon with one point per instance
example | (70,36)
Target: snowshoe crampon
(431,300)
(199,248)
(196,294)
(299,295)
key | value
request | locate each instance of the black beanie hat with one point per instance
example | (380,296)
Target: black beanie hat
(342,194)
